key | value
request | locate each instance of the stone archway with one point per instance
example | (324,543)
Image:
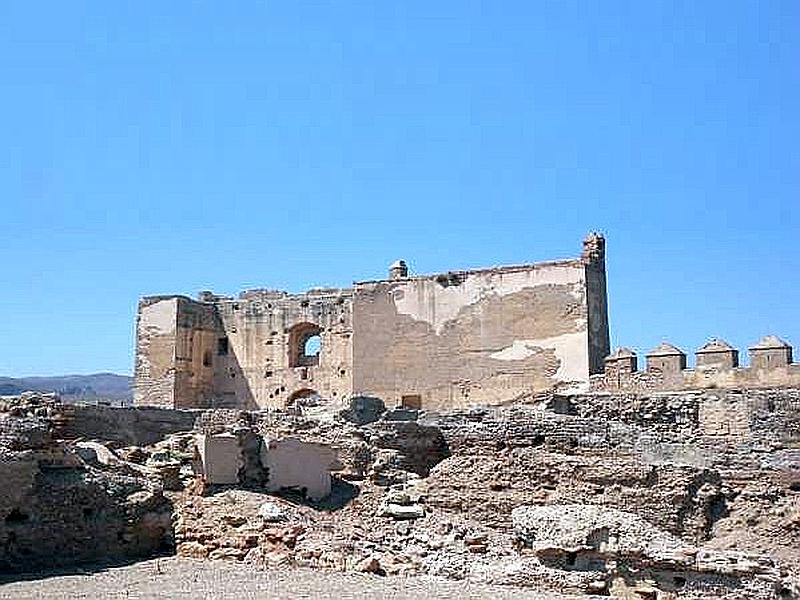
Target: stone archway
(305,345)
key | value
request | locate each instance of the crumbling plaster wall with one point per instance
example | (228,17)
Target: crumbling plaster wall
(477,337)
(197,331)
(258,326)
(235,457)
(456,339)
(156,325)
(303,466)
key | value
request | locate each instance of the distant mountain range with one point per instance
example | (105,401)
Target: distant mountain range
(71,388)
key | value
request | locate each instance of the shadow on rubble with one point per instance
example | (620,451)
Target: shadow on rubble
(85,538)
(342,493)
(83,569)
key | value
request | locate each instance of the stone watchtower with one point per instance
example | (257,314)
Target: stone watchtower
(619,366)
(398,270)
(717,353)
(770,352)
(666,359)
(623,361)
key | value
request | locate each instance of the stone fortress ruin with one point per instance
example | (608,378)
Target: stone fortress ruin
(483,336)
(471,425)
(434,342)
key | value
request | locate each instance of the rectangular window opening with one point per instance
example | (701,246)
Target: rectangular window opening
(222,346)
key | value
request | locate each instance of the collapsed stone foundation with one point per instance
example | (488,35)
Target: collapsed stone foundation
(676,495)
(58,507)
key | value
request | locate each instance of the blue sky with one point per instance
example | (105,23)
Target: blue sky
(158,147)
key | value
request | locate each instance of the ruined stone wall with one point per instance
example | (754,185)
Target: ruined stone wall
(681,459)
(472,337)
(265,331)
(197,333)
(658,378)
(127,426)
(245,352)
(156,327)
(175,342)
(56,509)
(456,339)
(772,415)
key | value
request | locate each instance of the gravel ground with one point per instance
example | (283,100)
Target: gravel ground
(186,578)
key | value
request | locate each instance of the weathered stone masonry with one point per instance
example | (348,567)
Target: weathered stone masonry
(454,339)
(716,366)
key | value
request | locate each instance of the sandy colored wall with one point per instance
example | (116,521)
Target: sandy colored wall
(197,331)
(156,324)
(456,339)
(257,371)
(293,464)
(698,379)
(468,338)
(220,457)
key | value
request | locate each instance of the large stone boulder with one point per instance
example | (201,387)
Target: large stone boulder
(362,410)
(575,528)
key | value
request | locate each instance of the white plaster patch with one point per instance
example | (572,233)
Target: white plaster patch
(220,457)
(519,350)
(426,300)
(570,349)
(292,463)
(160,317)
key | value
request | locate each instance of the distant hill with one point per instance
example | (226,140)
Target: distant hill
(100,386)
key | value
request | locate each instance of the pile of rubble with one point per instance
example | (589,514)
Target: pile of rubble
(60,504)
(544,495)
(617,552)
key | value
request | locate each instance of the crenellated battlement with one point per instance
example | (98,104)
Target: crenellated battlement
(716,366)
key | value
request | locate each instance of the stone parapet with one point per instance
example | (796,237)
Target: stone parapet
(716,366)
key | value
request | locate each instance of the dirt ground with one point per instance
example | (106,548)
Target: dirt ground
(186,578)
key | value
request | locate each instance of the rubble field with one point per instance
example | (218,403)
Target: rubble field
(641,496)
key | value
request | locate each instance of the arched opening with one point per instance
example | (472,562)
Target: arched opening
(305,345)
(303,397)
(312,346)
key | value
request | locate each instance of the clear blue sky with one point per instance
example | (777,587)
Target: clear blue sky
(169,147)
